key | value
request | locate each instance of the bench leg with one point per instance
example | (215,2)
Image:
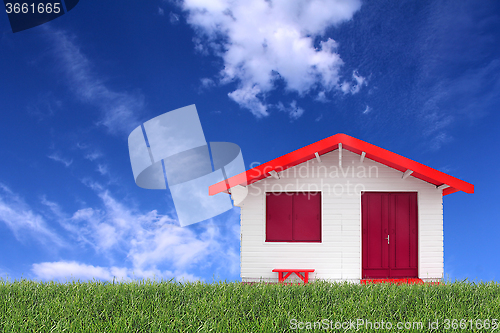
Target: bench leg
(286,276)
(301,277)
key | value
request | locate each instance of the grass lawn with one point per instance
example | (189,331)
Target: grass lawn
(167,306)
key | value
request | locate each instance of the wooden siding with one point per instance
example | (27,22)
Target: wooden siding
(338,256)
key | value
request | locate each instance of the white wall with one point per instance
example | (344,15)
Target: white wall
(338,256)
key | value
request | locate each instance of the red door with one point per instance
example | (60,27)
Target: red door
(390,235)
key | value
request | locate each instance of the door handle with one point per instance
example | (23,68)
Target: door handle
(387,239)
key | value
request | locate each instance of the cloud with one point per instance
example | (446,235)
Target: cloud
(90,154)
(161,12)
(360,81)
(153,245)
(293,110)
(449,102)
(247,97)
(207,82)
(149,239)
(22,221)
(263,42)
(439,140)
(173,18)
(459,74)
(355,87)
(60,269)
(321,97)
(118,109)
(367,110)
(93,155)
(73,270)
(102,169)
(58,158)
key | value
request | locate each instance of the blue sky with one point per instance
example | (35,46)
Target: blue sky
(419,78)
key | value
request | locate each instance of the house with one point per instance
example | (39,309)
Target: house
(345,208)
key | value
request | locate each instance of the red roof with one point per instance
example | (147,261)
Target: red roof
(354,145)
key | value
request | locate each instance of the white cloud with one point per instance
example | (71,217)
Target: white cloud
(173,18)
(22,221)
(102,169)
(360,81)
(293,110)
(321,97)
(82,146)
(93,155)
(61,269)
(73,270)
(58,158)
(367,110)
(439,140)
(119,109)
(462,99)
(153,244)
(90,154)
(355,87)
(149,239)
(247,98)
(263,41)
(207,82)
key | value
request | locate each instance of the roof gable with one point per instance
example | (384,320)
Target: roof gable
(354,145)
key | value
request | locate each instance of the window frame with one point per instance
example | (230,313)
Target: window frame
(292,194)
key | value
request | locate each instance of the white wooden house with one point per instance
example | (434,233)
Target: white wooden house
(344,208)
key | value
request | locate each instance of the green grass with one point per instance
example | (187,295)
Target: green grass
(149,306)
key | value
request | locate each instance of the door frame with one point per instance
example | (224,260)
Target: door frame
(361,226)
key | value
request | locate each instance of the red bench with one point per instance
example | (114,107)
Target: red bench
(289,272)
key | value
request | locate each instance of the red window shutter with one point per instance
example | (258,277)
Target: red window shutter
(307,217)
(278,217)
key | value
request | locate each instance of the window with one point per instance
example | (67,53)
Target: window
(293,217)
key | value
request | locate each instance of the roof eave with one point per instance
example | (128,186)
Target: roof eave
(354,145)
